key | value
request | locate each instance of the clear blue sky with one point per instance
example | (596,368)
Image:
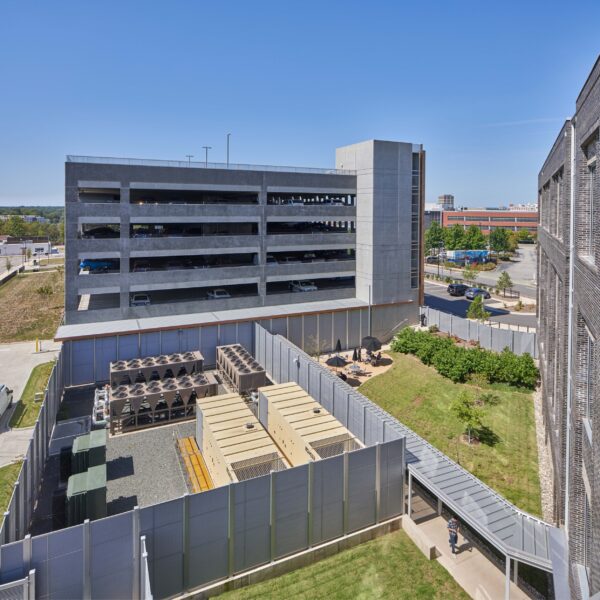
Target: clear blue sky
(484,86)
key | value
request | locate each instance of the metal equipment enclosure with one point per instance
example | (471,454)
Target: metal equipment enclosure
(234,444)
(240,368)
(88,450)
(300,426)
(86,495)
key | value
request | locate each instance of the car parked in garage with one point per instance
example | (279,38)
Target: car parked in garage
(303,286)
(218,294)
(472,293)
(140,300)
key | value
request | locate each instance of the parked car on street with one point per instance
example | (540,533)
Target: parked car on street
(218,294)
(140,300)
(432,260)
(303,286)
(472,293)
(6,398)
(457,289)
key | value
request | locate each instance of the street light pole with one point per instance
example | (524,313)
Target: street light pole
(189,157)
(206,149)
(228,136)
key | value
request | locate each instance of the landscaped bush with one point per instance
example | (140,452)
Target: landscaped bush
(459,364)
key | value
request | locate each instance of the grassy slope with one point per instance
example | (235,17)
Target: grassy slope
(419,397)
(27,409)
(27,315)
(388,567)
(8,477)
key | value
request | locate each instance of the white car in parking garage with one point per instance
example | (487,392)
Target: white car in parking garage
(303,286)
(218,294)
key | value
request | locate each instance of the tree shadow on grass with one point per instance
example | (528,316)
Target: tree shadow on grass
(486,436)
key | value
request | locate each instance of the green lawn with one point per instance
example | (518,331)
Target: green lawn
(388,567)
(8,478)
(419,397)
(27,409)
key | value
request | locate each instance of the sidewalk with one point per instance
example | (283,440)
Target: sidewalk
(471,569)
(16,363)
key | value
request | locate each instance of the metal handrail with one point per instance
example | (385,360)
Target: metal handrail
(150,162)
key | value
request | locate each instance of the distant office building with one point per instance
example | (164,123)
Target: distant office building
(446,202)
(149,239)
(532,207)
(26,218)
(433,212)
(569,330)
(18,246)
(489,219)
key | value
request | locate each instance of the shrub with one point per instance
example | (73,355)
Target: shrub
(433,329)
(460,364)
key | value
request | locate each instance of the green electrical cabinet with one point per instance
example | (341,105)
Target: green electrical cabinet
(89,450)
(86,495)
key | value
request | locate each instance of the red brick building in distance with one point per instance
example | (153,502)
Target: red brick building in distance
(489,219)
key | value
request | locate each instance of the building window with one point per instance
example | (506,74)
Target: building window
(587,535)
(587,209)
(415,221)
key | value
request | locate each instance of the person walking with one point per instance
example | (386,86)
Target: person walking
(453,529)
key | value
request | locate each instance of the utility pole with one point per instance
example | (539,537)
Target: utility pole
(206,149)
(228,136)
(189,157)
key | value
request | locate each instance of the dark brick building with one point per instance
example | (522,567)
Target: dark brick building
(569,330)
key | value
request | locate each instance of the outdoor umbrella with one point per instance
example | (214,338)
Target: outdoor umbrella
(336,361)
(355,355)
(338,346)
(371,344)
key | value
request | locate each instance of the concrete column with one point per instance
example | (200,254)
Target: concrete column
(409,495)
(516,572)
(439,506)
(125,216)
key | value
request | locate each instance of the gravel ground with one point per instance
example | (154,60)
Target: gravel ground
(544,460)
(143,467)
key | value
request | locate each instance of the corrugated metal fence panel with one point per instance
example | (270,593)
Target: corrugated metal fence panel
(105,353)
(111,560)
(83,361)
(391,467)
(252,534)
(189,339)
(208,345)
(128,346)
(502,338)
(169,341)
(341,409)
(290,495)
(326,342)
(162,524)
(361,488)
(228,334)
(460,328)
(245,335)
(11,557)
(328,499)
(150,344)
(356,415)
(208,533)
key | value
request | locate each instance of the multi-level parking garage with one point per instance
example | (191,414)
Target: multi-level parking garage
(149,238)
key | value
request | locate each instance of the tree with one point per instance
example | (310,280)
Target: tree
(28,253)
(467,412)
(474,239)
(477,310)
(470,274)
(504,282)
(8,264)
(434,237)
(513,241)
(15,226)
(454,237)
(499,241)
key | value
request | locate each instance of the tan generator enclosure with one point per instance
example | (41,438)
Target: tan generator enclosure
(300,426)
(234,445)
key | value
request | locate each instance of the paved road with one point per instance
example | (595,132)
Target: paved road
(522,271)
(16,362)
(437,297)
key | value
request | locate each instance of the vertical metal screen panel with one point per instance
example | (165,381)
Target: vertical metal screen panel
(327,393)
(284,360)
(485,336)
(373,427)
(340,329)
(279,327)
(340,404)
(263,410)
(364,322)
(314,381)
(11,556)
(208,345)
(392,479)
(361,488)
(106,352)
(65,563)
(268,364)
(169,341)
(311,341)
(228,335)
(150,344)
(291,510)
(303,373)
(328,499)
(111,563)
(83,362)
(189,339)
(356,418)
(295,331)
(326,332)
(252,539)
(128,346)
(208,535)
(354,337)
(245,335)
(162,524)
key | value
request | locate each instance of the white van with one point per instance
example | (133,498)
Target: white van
(6,397)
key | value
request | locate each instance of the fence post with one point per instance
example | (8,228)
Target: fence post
(186,540)
(377,481)
(345,494)
(230,531)
(27,552)
(18,509)
(310,486)
(135,527)
(87,580)
(143,560)
(31,585)
(272,540)
(6,527)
